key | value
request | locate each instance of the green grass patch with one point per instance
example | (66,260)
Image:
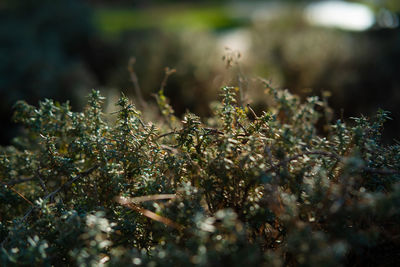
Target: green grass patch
(114,21)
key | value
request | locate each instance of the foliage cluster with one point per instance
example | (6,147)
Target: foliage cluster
(284,187)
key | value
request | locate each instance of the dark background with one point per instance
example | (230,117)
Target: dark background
(63,49)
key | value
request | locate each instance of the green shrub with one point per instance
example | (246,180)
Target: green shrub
(277,188)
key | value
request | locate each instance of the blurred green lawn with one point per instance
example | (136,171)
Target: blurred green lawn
(114,21)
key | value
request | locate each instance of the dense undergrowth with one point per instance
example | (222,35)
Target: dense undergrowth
(283,187)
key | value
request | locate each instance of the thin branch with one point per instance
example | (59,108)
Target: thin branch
(166,117)
(19,181)
(252,111)
(168,72)
(331,155)
(42,184)
(317,152)
(52,194)
(381,171)
(71,181)
(149,214)
(136,200)
(212,130)
(170,149)
(135,82)
(242,127)
(166,134)
(18,193)
(143,125)
(267,150)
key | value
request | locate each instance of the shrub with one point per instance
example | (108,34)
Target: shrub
(285,187)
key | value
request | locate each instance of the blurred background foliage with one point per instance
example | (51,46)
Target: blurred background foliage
(61,49)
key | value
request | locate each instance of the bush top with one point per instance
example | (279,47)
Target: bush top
(284,187)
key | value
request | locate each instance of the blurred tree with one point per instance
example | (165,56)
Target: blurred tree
(42,44)
(392,5)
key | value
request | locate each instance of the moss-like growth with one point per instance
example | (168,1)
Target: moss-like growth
(241,188)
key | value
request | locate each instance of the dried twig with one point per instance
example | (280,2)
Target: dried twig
(19,181)
(18,193)
(71,181)
(168,72)
(252,112)
(212,130)
(167,134)
(51,195)
(42,184)
(124,200)
(130,203)
(135,82)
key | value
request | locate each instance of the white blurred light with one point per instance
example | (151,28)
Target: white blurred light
(237,40)
(339,14)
